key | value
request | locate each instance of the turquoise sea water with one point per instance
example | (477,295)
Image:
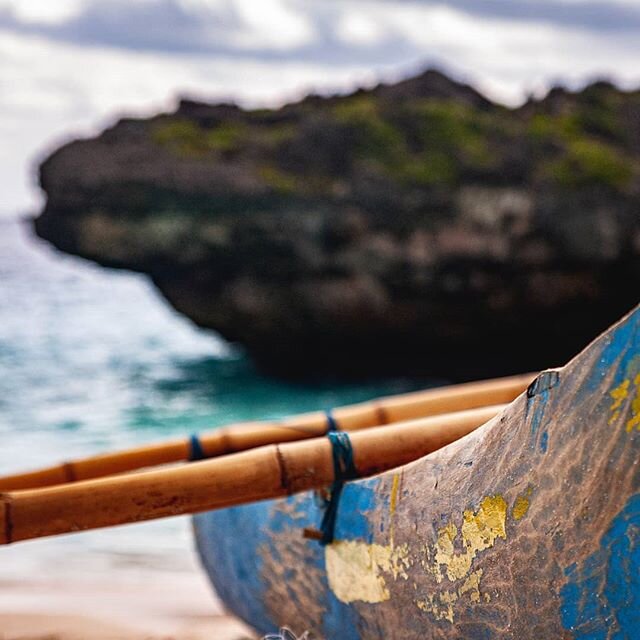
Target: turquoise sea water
(94,360)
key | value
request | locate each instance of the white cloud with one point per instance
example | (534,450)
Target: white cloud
(273,23)
(85,61)
(355,27)
(47,11)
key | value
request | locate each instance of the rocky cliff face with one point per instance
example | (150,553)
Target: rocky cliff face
(416,227)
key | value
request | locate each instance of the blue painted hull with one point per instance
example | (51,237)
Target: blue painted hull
(527,528)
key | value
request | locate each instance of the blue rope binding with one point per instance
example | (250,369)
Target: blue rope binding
(343,470)
(196,452)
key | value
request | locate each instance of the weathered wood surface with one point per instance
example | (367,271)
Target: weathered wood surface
(527,528)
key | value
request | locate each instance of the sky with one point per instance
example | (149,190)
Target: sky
(69,68)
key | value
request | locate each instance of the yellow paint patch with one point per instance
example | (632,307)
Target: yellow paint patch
(634,421)
(441,605)
(453,554)
(520,508)
(521,505)
(479,530)
(626,389)
(356,570)
(618,395)
(361,572)
(393,501)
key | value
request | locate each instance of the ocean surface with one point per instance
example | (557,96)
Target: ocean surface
(94,360)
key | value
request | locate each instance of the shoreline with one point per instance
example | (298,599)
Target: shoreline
(180,606)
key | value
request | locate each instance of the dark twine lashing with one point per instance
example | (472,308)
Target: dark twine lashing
(343,469)
(196,451)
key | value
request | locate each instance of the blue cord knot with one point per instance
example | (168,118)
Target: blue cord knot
(332,423)
(343,469)
(196,451)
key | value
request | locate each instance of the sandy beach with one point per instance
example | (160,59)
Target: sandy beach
(180,607)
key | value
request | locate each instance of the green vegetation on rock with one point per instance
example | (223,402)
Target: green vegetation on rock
(183,137)
(187,138)
(280,181)
(567,140)
(374,137)
(591,163)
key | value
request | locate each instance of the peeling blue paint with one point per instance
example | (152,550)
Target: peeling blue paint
(544,442)
(233,562)
(619,353)
(357,501)
(236,567)
(340,620)
(601,599)
(544,382)
(535,409)
(538,396)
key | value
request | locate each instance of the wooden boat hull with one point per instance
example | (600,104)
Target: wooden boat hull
(527,528)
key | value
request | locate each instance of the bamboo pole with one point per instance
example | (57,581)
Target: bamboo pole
(266,472)
(250,435)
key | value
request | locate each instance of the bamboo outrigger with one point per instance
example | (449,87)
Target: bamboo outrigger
(526,527)
(240,437)
(265,472)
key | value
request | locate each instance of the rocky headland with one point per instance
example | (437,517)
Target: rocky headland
(413,228)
